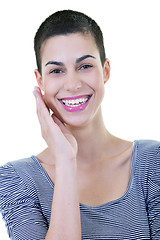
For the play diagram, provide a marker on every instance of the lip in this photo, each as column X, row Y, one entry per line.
column 78, row 108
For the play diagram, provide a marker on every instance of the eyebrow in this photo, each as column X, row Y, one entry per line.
column 78, row 60
column 54, row 63
column 83, row 58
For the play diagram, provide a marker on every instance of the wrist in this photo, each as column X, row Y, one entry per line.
column 66, row 174
column 66, row 165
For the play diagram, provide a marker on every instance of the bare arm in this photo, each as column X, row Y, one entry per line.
column 65, row 215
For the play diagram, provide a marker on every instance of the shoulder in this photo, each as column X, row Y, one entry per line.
column 28, row 170
column 24, row 179
column 22, row 168
column 147, row 145
column 147, row 157
column 147, row 150
column 17, row 168
column 12, row 169
column 14, row 185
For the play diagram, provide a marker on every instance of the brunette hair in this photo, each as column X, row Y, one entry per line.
column 65, row 22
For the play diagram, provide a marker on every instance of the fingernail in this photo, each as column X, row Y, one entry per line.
column 36, row 88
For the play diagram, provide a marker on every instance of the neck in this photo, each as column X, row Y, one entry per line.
column 92, row 140
column 95, row 144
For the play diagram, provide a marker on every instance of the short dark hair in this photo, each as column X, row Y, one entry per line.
column 65, row 22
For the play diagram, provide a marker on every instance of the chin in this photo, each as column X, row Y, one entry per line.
column 73, row 121
column 77, row 121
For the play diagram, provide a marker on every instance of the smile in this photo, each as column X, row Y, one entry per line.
column 75, row 103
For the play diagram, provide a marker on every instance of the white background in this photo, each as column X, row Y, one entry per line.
column 132, row 102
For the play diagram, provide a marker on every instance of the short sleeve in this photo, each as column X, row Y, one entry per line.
column 20, row 207
column 154, row 198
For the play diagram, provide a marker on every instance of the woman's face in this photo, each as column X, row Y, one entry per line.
column 72, row 77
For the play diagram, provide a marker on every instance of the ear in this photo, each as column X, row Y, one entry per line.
column 106, row 70
column 39, row 79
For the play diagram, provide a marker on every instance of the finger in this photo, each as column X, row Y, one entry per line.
column 38, row 95
column 45, row 102
column 60, row 124
column 50, row 126
column 41, row 104
column 53, row 130
column 46, row 121
column 42, row 111
column 56, row 120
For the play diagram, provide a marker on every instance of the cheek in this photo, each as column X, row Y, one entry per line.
column 49, row 99
column 101, row 94
column 97, row 84
column 49, row 90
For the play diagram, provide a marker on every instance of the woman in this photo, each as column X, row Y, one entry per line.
column 88, row 184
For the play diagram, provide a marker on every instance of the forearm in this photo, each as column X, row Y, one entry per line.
column 65, row 221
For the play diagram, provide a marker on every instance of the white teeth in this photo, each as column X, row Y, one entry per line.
column 75, row 102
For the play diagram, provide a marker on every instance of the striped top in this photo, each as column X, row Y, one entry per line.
column 26, row 197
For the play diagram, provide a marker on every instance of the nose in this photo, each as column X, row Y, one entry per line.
column 72, row 82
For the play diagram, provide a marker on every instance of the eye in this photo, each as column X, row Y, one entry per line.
column 85, row 66
column 56, row 71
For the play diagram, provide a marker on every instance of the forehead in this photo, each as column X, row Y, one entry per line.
column 70, row 45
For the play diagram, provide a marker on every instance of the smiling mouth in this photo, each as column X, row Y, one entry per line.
column 76, row 101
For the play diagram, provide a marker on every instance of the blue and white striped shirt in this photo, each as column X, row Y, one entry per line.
column 26, row 198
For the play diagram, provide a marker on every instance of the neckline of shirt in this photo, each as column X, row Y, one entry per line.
column 135, row 143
